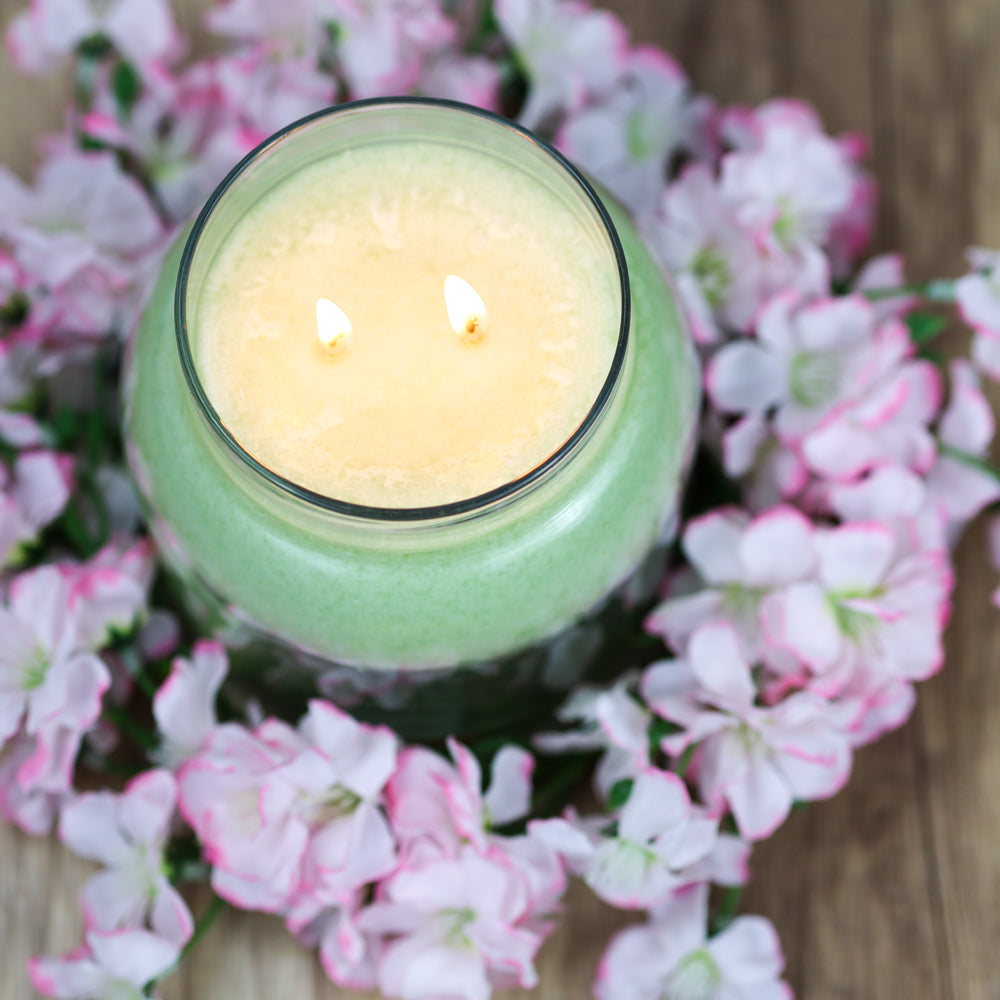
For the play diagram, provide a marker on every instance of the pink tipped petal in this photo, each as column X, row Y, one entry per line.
column 111, row 900
column 721, row 668
column 136, row 956
column 88, row 827
column 169, row 916
column 711, row 544
column 760, row 801
column 67, row 978
column 749, row 950
column 147, row 806
column 743, row 377
column 799, row 620
column 777, row 548
column 412, row 970
column 184, row 706
column 509, row 794
column 730, row 861
column 658, row 801
column 968, row 422
column 855, row 558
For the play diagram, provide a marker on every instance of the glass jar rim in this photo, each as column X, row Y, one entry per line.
column 472, row 505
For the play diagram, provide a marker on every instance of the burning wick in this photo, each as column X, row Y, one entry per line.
column 333, row 326
column 466, row 311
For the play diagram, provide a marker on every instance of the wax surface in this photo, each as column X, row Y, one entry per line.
column 409, row 414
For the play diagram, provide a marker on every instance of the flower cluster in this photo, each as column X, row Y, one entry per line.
column 794, row 628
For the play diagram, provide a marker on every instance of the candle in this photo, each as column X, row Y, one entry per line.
column 340, row 348
column 439, row 589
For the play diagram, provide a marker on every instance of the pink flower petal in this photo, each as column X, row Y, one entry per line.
column 721, row 668
column 509, row 795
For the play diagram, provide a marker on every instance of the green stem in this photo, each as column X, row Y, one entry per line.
column 552, row 795
column 142, row 736
column 939, row 290
column 967, row 458
column 684, row 761
column 205, row 921
column 726, row 912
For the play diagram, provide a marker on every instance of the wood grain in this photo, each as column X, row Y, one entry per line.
column 892, row 889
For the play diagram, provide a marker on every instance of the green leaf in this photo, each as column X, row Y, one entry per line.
column 684, row 761
column 620, row 791
column 935, row 357
column 726, row 912
column 659, row 729
column 14, row 311
column 126, row 84
column 95, row 46
column 925, row 327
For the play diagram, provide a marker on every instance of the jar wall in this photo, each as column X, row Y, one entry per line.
column 525, row 597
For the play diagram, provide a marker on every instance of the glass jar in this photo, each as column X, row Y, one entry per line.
column 465, row 618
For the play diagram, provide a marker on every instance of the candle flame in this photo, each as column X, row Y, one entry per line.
column 466, row 310
column 332, row 325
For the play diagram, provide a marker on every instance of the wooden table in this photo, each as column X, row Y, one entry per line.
column 891, row 890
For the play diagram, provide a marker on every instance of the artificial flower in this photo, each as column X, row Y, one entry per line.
column 568, row 51
column 754, row 760
column 127, row 833
column 143, row 31
column 672, row 956
column 115, row 965
column 184, row 705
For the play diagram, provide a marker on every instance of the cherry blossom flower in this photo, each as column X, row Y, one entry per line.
column 957, row 482
column 713, row 259
column 111, row 590
column 672, row 956
column 31, row 496
column 884, row 272
column 281, row 811
column 986, row 355
column 978, row 294
column 626, row 139
column 87, row 233
column 429, row 798
column 611, row 720
column 127, row 834
column 793, row 183
column 770, row 473
column 49, row 30
column 48, row 680
column 890, row 426
column 568, row 52
column 469, row 79
column 846, row 395
column 188, row 131
column 754, row 760
column 269, row 92
column 348, row 954
column 740, row 559
column 806, row 360
column 113, row 965
column 382, row 45
column 659, row 842
column 878, row 604
column 292, row 24
column 31, row 800
column 455, row 925
column 184, row 705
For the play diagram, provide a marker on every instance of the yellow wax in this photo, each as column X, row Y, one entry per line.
column 409, row 413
